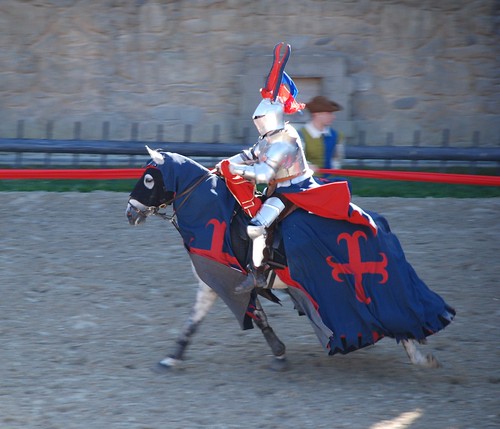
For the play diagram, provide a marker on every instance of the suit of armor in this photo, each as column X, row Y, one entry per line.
column 277, row 159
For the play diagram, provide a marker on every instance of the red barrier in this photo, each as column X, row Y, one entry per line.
column 417, row 176
column 80, row 174
column 135, row 173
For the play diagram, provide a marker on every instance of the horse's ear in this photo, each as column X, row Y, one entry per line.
column 155, row 156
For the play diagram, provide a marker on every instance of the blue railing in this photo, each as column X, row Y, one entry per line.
column 19, row 152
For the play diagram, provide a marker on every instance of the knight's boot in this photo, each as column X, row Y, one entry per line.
column 256, row 278
column 256, row 230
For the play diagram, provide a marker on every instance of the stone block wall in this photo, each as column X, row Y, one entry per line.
column 396, row 66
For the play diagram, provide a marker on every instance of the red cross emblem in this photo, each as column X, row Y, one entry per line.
column 216, row 251
column 356, row 266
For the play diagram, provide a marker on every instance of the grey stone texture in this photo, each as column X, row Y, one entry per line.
column 396, row 66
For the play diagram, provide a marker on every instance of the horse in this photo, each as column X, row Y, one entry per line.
column 213, row 228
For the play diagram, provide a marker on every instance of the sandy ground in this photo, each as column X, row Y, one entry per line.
column 89, row 304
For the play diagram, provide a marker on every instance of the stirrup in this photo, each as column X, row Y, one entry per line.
column 255, row 278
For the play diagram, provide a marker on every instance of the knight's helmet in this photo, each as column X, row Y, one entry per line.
column 269, row 116
column 278, row 95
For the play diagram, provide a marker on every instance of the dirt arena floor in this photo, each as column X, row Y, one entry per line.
column 89, row 304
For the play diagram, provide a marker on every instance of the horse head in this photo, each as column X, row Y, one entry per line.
column 150, row 193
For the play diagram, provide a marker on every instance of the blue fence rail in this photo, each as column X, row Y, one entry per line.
column 22, row 150
column 443, row 157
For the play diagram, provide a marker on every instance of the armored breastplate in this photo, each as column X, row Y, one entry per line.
column 283, row 151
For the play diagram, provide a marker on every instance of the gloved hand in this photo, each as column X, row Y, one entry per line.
column 237, row 169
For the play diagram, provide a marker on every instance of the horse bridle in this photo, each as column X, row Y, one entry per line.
column 151, row 210
column 155, row 210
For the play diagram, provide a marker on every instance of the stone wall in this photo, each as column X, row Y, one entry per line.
column 396, row 66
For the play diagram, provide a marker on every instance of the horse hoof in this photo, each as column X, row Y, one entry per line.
column 160, row 368
column 432, row 362
column 279, row 364
column 165, row 365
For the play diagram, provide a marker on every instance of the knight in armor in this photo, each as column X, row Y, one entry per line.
column 277, row 160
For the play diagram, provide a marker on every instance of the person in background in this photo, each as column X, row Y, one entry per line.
column 323, row 145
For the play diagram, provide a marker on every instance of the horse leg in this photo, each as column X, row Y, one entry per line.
column 205, row 299
column 278, row 348
column 418, row 358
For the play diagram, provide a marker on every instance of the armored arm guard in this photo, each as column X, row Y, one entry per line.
column 247, row 156
column 258, row 172
column 243, row 157
column 274, row 158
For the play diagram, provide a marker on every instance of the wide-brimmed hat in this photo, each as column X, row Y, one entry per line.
column 322, row 104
